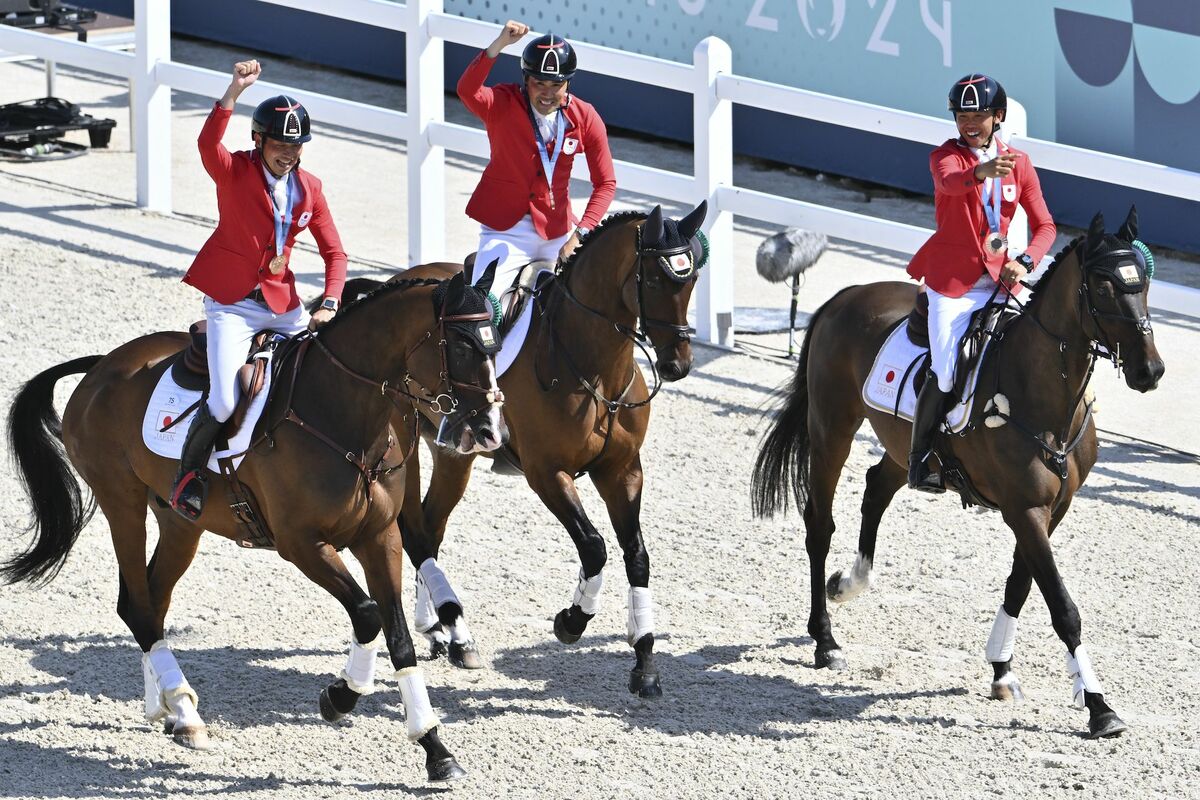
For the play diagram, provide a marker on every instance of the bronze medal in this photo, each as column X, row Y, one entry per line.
column 995, row 243
column 278, row 263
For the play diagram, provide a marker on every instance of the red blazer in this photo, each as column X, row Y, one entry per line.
column 512, row 184
column 234, row 259
column 953, row 259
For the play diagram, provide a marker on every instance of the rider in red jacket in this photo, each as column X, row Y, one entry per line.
column 265, row 200
column 525, row 216
column 978, row 182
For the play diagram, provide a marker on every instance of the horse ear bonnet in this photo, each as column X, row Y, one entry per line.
column 1124, row 266
column 463, row 299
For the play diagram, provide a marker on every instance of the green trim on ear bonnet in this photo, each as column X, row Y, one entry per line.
column 1147, row 256
column 496, row 315
column 704, row 250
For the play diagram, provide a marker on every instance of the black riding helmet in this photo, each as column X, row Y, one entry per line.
column 549, row 58
column 283, row 119
column 976, row 92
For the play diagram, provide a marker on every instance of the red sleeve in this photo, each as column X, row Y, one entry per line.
column 600, row 168
column 475, row 96
column 330, row 245
column 1040, row 220
column 949, row 176
column 218, row 163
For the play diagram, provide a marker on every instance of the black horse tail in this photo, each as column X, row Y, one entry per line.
column 59, row 513
column 781, row 468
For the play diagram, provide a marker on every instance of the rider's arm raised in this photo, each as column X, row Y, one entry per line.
column 217, row 161
column 475, row 96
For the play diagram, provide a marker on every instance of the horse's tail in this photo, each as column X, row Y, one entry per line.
column 59, row 513
column 781, row 468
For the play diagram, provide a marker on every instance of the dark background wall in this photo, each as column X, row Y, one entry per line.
column 1165, row 220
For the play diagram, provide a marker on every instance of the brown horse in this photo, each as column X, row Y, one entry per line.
column 324, row 467
column 576, row 404
column 1091, row 301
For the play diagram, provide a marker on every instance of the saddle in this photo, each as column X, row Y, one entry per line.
column 990, row 321
column 189, row 368
column 514, row 298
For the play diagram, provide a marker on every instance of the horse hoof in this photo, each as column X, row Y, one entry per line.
column 193, row 738
column 644, row 684
column 445, row 770
column 464, row 655
column 437, row 649
column 830, row 659
column 337, row 700
column 1106, row 724
column 833, row 588
column 560, row 629
column 1008, row 688
column 169, row 723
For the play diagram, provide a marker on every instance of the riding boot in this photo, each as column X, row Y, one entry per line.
column 931, row 409
column 191, row 487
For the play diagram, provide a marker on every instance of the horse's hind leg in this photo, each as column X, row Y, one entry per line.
column 883, row 481
column 830, row 449
column 438, row 614
column 1033, row 542
column 383, row 564
column 167, row 692
column 622, row 493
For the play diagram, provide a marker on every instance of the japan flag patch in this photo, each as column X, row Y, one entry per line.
column 570, row 145
column 304, row 218
column 1010, row 192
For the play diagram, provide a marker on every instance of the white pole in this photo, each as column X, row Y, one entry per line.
column 712, row 132
column 424, row 81
column 1016, row 126
column 152, row 105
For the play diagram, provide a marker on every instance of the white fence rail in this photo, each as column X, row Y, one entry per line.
column 708, row 79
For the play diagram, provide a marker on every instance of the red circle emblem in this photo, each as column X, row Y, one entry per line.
column 891, row 376
column 167, row 420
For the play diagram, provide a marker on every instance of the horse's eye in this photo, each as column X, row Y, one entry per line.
column 1104, row 289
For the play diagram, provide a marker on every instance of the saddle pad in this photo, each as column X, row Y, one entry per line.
column 892, row 364
column 510, row 348
column 168, row 400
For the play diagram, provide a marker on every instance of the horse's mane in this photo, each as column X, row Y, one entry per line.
column 1059, row 257
column 611, row 222
column 386, row 288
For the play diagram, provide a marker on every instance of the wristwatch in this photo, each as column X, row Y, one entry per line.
column 1026, row 261
column 329, row 304
column 581, row 231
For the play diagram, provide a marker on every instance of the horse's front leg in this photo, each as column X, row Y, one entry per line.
column 622, row 494
column 383, row 562
column 1031, row 527
column 557, row 491
column 438, row 613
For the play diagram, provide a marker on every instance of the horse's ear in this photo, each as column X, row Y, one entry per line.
column 692, row 222
column 485, row 281
column 1129, row 228
column 1095, row 234
column 652, row 231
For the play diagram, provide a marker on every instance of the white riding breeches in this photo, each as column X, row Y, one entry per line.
column 230, row 329
column 948, row 321
column 514, row 248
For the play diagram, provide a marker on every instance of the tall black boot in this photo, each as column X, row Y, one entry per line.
column 191, row 487
column 931, row 409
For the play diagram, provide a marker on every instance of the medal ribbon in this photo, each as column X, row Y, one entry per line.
column 283, row 216
column 548, row 164
column 991, row 203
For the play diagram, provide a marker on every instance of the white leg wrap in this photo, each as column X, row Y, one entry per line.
column 417, row 710
column 359, row 672
column 440, row 590
column 1003, row 637
column 641, row 613
column 587, row 592
column 1080, row 668
column 424, row 614
column 856, row 581
column 459, row 632
column 167, row 691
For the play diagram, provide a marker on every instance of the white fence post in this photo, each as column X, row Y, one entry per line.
column 712, row 132
column 1016, row 126
column 151, row 103
column 424, row 81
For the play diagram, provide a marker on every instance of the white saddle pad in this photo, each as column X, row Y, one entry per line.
column 510, row 348
column 169, row 400
column 892, row 364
